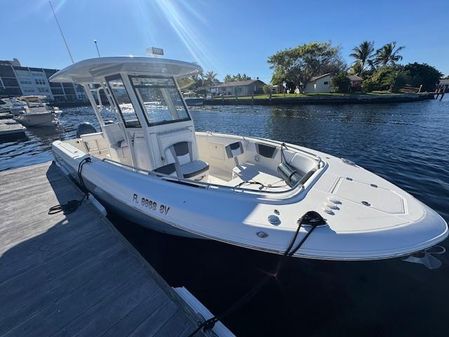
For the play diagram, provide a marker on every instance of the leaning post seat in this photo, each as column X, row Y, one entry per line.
column 181, row 155
column 233, row 150
column 169, row 169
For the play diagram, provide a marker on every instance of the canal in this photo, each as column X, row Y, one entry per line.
column 404, row 143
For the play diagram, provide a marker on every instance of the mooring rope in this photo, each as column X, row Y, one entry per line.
column 312, row 219
column 72, row 205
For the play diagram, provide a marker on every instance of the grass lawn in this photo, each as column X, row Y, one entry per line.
column 288, row 96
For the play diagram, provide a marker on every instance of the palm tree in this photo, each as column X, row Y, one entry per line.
column 209, row 78
column 388, row 55
column 356, row 69
column 362, row 54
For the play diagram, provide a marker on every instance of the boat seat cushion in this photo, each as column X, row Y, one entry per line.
column 234, row 149
column 169, row 169
column 194, row 169
column 181, row 152
column 181, row 155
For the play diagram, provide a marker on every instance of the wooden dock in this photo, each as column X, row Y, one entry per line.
column 67, row 275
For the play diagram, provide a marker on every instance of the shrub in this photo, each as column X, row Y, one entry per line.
column 341, row 83
column 382, row 79
column 423, row 74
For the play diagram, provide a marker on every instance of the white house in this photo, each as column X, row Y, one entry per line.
column 444, row 83
column 356, row 82
column 319, row 84
column 238, row 88
column 323, row 83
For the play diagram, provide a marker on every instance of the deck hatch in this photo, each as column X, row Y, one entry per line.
column 378, row 198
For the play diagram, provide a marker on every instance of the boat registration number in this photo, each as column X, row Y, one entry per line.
column 150, row 204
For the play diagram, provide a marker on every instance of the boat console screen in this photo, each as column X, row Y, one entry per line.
column 160, row 99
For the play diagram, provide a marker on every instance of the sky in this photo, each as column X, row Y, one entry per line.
column 226, row 36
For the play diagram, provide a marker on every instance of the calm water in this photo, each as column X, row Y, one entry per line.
column 405, row 143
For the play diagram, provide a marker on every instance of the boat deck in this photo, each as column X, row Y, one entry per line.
column 10, row 128
column 250, row 176
column 5, row 115
column 75, row 274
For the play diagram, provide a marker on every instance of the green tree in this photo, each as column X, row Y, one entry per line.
column 341, row 82
column 193, row 82
column 267, row 89
column 228, row 78
column 209, row 78
column 296, row 66
column 362, row 54
column 233, row 78
column 388, row 55
column 423, row 74
column 356, row 69
column 382, row 79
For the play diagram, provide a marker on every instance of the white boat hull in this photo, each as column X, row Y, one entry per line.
column 36, row 119
column 371, row 218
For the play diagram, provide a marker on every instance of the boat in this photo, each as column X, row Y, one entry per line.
column 153, row 168
column 35, row 112
column 192, row 99
column 13, row 105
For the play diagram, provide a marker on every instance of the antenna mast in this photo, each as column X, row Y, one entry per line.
column 60, row 30
column 96, row 46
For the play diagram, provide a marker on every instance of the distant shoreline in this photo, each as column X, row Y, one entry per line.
column 322, row 99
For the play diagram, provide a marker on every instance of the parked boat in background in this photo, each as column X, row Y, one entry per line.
column 193, row 99
column 12, row 105
column 33, row 111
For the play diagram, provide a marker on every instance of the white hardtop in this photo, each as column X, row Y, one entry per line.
column 94, row 70
column 150, row 113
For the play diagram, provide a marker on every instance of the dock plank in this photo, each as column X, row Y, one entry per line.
column 74, row 275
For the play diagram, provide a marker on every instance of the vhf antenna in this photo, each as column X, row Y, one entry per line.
column 96, row 46
column 60, row 30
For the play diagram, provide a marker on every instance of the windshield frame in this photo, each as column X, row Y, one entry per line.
column 117, row 105
column 142, row 106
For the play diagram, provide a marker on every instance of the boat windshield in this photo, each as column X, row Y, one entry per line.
column 160, row 99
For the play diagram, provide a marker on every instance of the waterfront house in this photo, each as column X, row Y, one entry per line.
column 277, row 89
column 444, row 83
column 356, row 82
column 319, row 84
column 238, row 88
column 323, row 83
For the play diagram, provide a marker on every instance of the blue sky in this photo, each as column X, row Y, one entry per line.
column 227, row 36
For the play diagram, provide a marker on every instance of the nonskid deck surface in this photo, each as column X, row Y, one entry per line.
column 251, row 176
column 75, row 274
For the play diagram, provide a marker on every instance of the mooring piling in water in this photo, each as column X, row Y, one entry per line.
column 75, row 274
